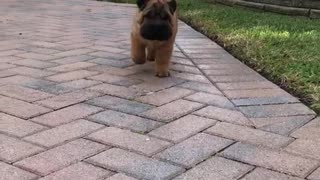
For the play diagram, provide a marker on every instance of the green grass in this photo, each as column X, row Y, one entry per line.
column 284, row 49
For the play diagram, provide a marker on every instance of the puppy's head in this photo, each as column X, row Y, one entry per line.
column 156, row 21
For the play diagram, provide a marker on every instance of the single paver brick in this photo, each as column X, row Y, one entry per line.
column 60, row 134
column 271, row 159
column 164, row 96
column 114, row 90
column 14, row 149
column 265, row 100
column 264, row 174
column 9, row 172
column 211, row 99
column 68, row 99
column 153, row 84
column 33, row 72
column 122, row 120
column 182, row 128
column 34, row 63
column 315, row 175
column 79, row 171
column 66, row 115
column 136, row 165
column 276, row 110
column 20, row 108
column 72, row 75
column 247, row 85
column 78, row 84
column 71, row 67
column 23, row 93
column 249, row 135
column 305, row 147
column 128, row 140
column 120, row 177
column 254, row 93
column 61, row 156
column 194, row 150
column 203, row 87
column 17, row 127
column 309, row 131
column 280, row 125
column 216, row 168
column 231, row 116
column 173, row 110
column 73, row 59
column 119, row 104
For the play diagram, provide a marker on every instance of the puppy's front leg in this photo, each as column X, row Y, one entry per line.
column 163, row 55
column 138, row 50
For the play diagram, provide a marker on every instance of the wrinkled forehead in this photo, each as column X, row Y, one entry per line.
column 157, row 6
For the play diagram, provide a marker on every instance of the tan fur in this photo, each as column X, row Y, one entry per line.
column 158, row 51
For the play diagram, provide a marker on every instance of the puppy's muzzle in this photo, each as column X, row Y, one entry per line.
column 159, row 32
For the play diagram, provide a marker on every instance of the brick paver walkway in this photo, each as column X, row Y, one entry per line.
column 74, row 106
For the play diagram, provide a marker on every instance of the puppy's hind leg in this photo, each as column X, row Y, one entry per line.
column 151, row 56
column 138, row 50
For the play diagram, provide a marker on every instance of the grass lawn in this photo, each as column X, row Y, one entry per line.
column 284, row 49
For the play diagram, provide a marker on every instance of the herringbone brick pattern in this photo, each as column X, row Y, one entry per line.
column 74, row 106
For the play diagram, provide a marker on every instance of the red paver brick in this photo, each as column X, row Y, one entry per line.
column 115, row 90
column 9, row 172
column 60, row 157
column 68, row 99
column 33, row 72
column 63, row 133
column 231, row 116
column 165, row 96
column 34, row 63
column 128, row 140
column 17, row 127
column 66, row 115
column 23, row 93
column 309, row 131
column 74, row 52
column 182, row 128
column 36, row 56
column 79, row 171
column 73, row 75
column 173, row 110
column 14, row 149
column 71, row 67
column 20, row 108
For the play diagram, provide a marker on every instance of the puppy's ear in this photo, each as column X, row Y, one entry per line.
column 172, row 5
column 142, row 4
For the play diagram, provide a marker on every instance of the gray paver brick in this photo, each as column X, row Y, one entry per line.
column 216, row 168
column 129, row 140
column 249, row 135
column 79, row 171
column 182, row 128
column 194, row 150
column 63, row 133
column 315, row 175
column 122, row 120
column 276, row 110
column 309, row 131
column 60, row 157
column 271, row 159
column 13, row 149
column 203, row 87
column 119, row 104
column 9, row 172
column 136, row 165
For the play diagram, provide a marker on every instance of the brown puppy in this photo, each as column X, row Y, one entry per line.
column 154, row 30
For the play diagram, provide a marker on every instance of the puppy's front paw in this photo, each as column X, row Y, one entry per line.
column 163, row 74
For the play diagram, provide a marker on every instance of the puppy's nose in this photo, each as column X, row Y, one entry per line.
column 160, row 32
